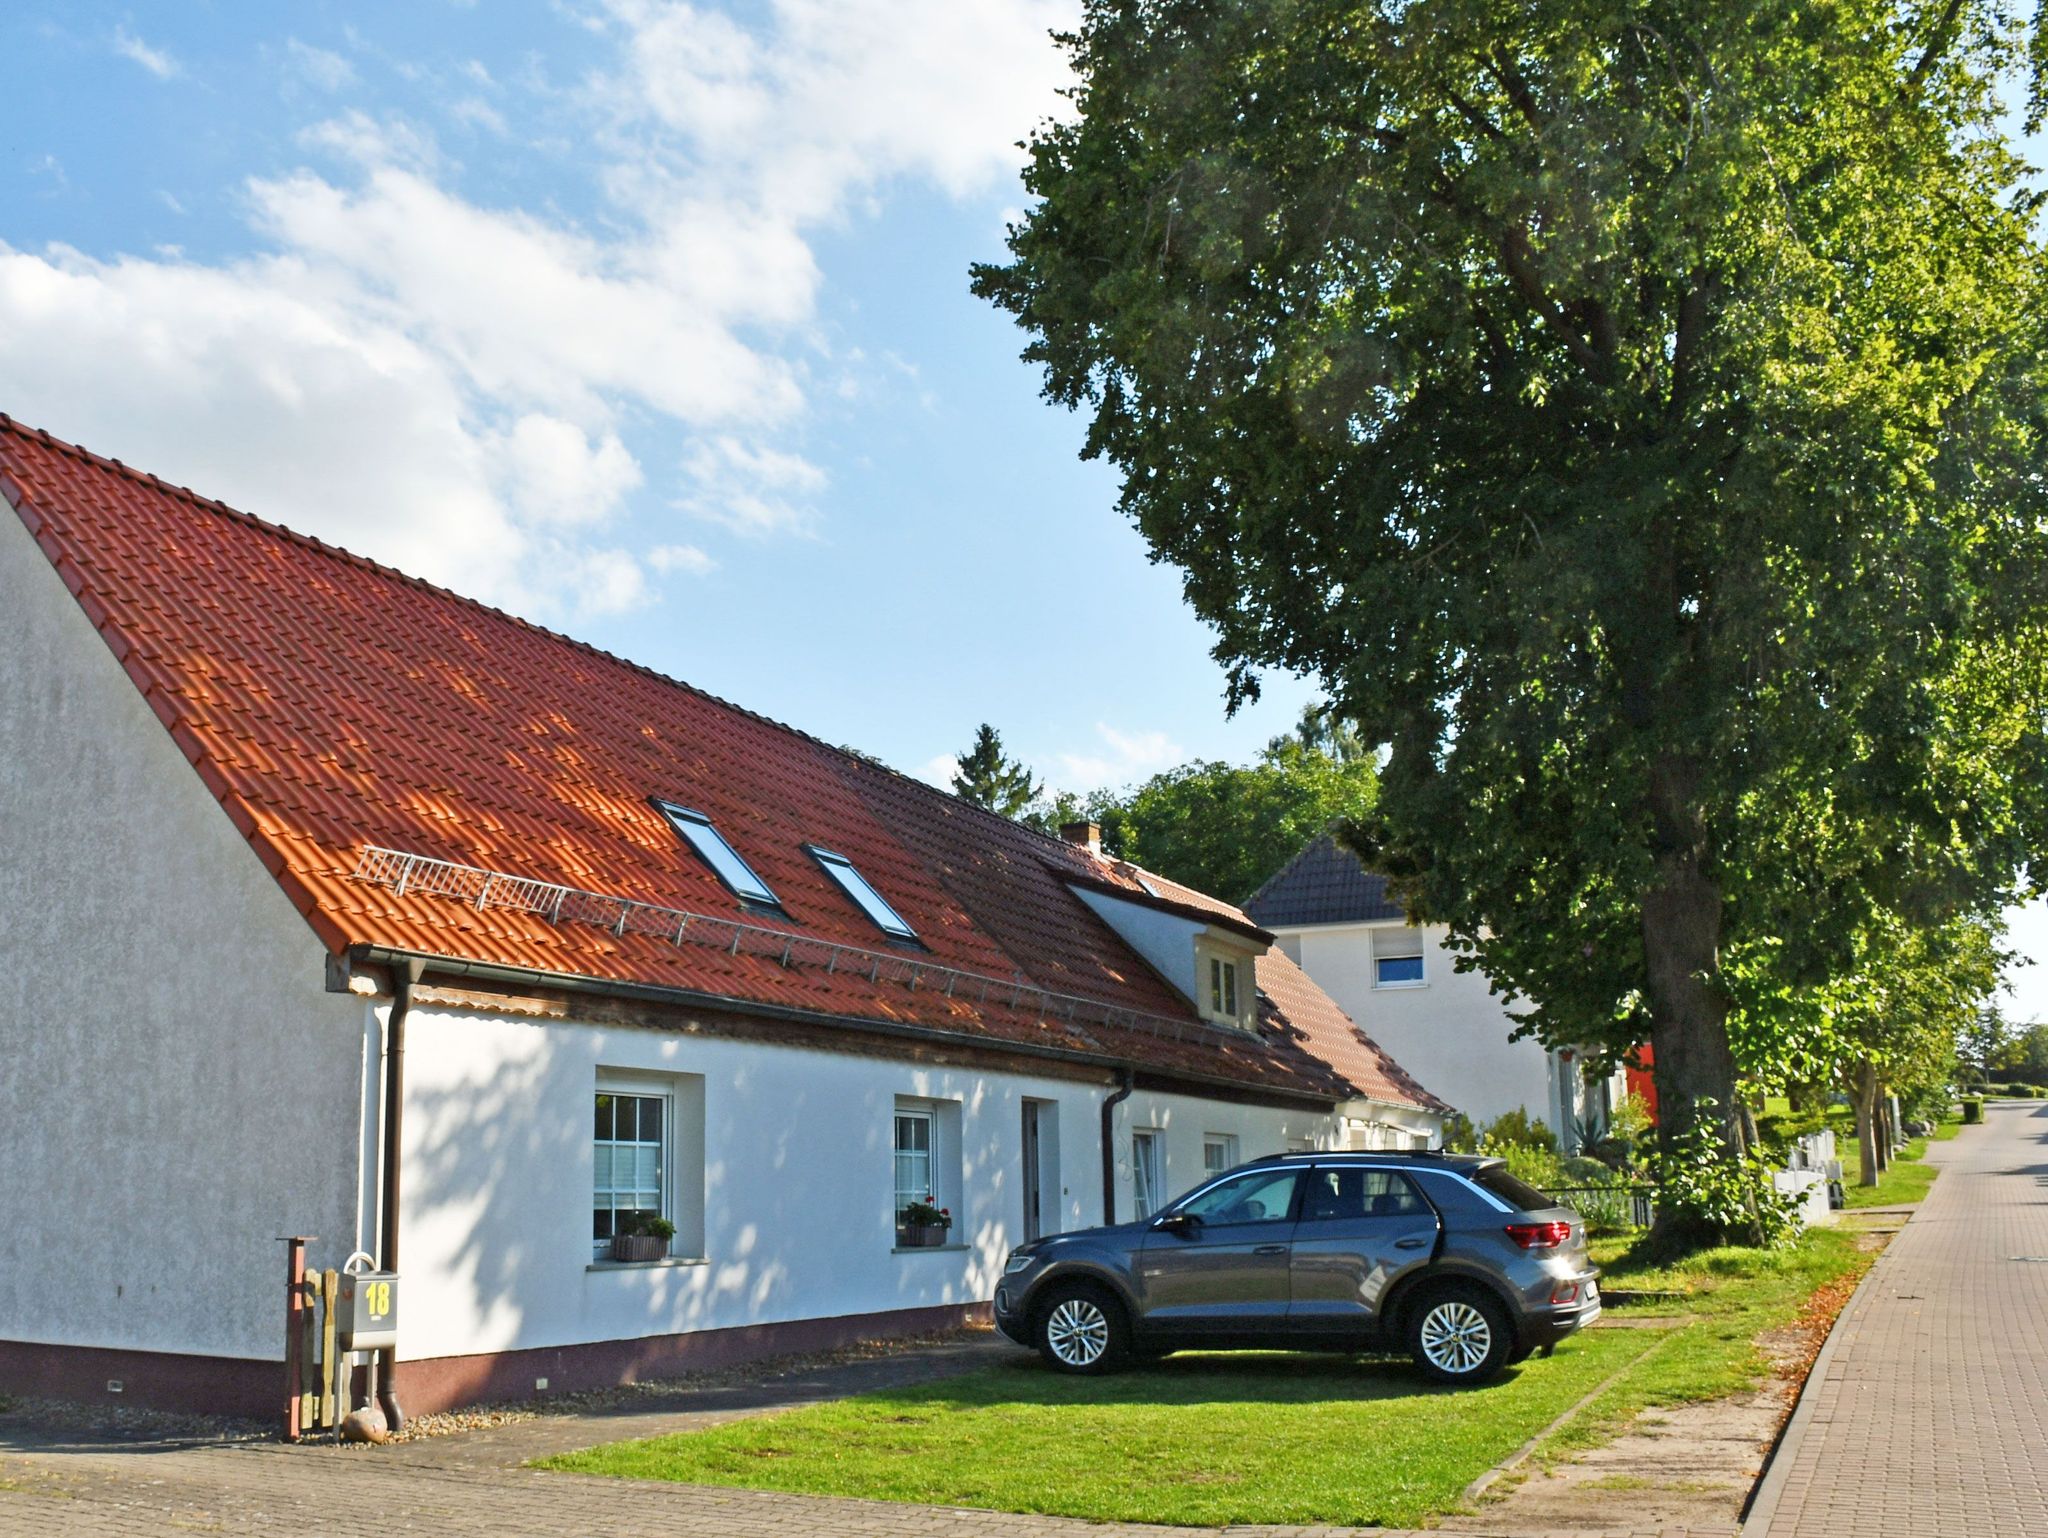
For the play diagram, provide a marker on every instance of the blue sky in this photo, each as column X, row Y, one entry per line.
column 647, row 321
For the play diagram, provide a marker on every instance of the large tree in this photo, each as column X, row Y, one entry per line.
column 1224, row 828
column 1631, row 412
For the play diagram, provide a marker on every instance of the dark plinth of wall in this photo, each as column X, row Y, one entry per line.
column 213, row 1385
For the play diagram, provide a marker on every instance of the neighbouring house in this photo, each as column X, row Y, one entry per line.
column 339, row 905
column 1399, row 981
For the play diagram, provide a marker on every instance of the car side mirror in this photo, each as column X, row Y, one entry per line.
column 1182, row 1223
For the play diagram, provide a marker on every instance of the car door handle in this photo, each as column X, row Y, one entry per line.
column 1410, row 1244
column 1270, row 1249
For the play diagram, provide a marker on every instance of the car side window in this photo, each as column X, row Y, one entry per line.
column 1337, row 1194
column 1257, row 1196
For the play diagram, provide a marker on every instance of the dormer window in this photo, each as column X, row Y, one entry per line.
column 715, row 852
column 865, row 897
column 1225, row 991
column 1222, row 987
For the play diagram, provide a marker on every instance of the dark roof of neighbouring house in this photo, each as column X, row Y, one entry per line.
column 332, row 704
column 1324, row 884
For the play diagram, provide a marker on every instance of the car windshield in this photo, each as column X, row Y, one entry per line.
column 1256, row 1196
column 1516, row 1193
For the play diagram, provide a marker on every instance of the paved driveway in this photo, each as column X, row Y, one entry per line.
column 1928, row 1410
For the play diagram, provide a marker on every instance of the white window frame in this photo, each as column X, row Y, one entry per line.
column 1232, row 971
column 928, row 1118
column 1420, row 956
column 623, row 1086
column 1223, row 1145
column 1148, row 1171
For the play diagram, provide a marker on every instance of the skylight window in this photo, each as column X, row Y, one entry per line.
column 855, row 885
column 711, row 846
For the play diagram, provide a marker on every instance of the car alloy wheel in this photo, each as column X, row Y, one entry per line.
column 1456, row 1337
column 1077, row 1332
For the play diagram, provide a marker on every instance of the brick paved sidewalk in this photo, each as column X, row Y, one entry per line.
column 52, row 1483
column 1928, row 1410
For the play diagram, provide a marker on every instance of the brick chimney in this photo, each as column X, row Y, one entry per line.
column 1088, row 835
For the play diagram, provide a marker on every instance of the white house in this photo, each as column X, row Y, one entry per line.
column 340, row 905
column 1335, row 919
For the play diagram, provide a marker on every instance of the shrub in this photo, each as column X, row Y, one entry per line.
column 1519, row 1129
column 1709, row 1194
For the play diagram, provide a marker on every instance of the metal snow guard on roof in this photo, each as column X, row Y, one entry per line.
column 481, row 889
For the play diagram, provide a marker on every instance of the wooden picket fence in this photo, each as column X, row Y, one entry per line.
column 317, row 1375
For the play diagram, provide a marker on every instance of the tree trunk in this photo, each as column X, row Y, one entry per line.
column 1887, row 1133
column 1681, row 956
column 1864, row 1093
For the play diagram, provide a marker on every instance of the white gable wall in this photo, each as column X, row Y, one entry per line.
column 1451, row 1032
column 178, row 1088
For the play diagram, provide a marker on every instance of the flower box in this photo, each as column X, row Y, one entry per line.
column 920, row 1236
column 639, row 1247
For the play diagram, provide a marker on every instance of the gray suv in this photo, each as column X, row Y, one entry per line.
column 1447, row 1256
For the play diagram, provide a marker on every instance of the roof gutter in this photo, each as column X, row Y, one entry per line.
column 570, row 982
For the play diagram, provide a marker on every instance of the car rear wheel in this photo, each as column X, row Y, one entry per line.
column 1460, row 1335
column 1082, row 1329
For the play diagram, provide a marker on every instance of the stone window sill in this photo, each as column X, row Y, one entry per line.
column 930, row 1249
column 647, row 1265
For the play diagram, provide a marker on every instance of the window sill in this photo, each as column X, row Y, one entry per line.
column 929, row 1249
column 647, row 1265
column 1396, row 987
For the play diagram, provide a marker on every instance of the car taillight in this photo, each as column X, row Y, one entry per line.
column 1539, row 1236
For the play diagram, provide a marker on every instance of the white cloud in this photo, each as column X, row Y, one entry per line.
column 1131, row 756
column 751, row 490
column 553, row 472
column 452, row 386
column 938, row 771
column 364, row 141
column 156, row 60
column 475, row 112
column 243, row 383
column 324, row 69
column 688, row 559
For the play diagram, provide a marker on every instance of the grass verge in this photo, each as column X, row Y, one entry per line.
column 1200, row 1439
column 1906, row 1181
column 1734, row 1296
column 1205, row 1439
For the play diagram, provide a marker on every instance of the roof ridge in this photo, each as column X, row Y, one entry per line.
column 309, row 541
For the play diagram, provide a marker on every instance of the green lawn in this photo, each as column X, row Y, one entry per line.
column 1906, row 1181
column 1200, row 1439
column 1733, row 1295
column 1212, row 1438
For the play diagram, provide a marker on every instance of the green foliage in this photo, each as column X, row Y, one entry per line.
column 1224, row 828
column 1707, row 1192
column 650, row 1225
column 2025, row 1056
column 1632, row 417
column 1518, row 1129
column 991, row 779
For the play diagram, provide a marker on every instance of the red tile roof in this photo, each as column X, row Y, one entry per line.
column 331, row 704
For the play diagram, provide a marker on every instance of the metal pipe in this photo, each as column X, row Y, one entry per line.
column 403, row 976
column 1126, row 1080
